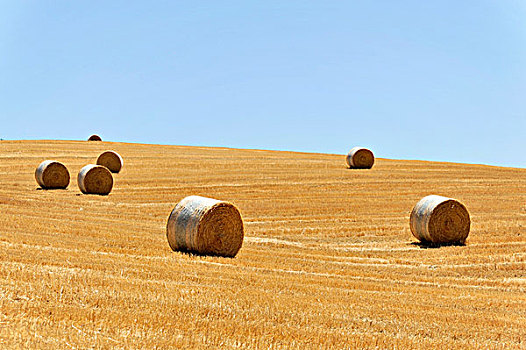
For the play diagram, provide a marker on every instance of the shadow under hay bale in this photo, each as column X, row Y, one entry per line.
column 95, row 179
column 205, row 226
column 111, row 160
column 51, row 174
column 94, row 138
column 437, row 220
column 431, row 245
column 360, row 158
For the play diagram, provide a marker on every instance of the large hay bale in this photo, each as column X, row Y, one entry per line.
column 360, row 158
column 95, row 179
column 51, row 174
column 111, row 160
column 205, row 226
column 440, row 220
column 94, row 138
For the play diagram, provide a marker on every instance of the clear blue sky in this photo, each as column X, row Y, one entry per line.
column 433, row 80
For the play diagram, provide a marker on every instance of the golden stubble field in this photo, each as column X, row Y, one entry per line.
column 328, row 259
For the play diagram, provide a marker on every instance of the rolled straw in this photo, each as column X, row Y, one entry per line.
column 51, row 174
column 360, row 158
column 437, row 219
column 94, row 138
column 111, row 160
column 95, row 179
column 205, row 226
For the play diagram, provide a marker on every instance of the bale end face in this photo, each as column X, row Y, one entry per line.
column 94, row 138
column 95, row 179
column 360, row 158
column 111, row 160
column 205, row 226
column 51, row 174
column 440, row 220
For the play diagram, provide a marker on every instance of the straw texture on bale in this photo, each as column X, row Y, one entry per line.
column 111, row 160
column 95, row 179
column 205, row 226
column 440, row 220
column 94, row 138
column 360, row 158
column 51, row 174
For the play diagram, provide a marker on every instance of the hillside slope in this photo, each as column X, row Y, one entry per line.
column 328, row 259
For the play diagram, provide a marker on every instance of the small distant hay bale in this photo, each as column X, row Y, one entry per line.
column 360, row 158
column 94, row 138
column 440, row 220
column 95, row 179
column 111, row 160
column 51, row 174
column 205, row 226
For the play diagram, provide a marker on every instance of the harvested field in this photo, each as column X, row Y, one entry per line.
column 328, row 259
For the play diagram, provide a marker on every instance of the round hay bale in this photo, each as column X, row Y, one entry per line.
column 51, row 174
column 205, row 226
column 111, row 160
column 95, row 179
column 94, row 138
column 440, row 220
column 360, row 158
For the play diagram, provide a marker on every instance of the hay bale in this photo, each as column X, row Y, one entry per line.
column 205, row 226
column 51, row 174
column 94, row 138
column 360, row 158
column 111, row 160
column 95, row 179
column 440, row 220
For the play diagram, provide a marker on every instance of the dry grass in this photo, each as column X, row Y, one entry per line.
column 328, row 258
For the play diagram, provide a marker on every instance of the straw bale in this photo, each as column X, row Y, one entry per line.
column 205, row 226
column 94, row 138
column 51, row 174
column 111, row 160
column 360, row 158
column 95, row 179
column 440, row 220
